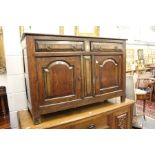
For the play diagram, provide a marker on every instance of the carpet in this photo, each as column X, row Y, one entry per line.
column 149, row 109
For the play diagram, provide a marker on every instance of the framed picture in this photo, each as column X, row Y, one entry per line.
column 140, row 54
column 130, row 55
column 96, row 32
column 61, row 30
column 2, row 55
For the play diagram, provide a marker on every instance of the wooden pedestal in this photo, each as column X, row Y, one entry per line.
column 102, row 115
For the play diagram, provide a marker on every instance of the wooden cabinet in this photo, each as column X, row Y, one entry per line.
column 64, row 72
column 107, row 115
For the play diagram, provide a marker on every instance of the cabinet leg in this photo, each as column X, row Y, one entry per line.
column 37, row 120
column 123, row 98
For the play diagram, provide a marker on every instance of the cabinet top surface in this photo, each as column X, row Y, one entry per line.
column 65, row 36
column 67, row 116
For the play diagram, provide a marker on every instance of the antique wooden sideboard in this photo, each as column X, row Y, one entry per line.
column 107, row 115
column 64, row 72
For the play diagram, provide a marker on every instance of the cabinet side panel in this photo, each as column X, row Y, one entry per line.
column 32, row 79
column 124, row 71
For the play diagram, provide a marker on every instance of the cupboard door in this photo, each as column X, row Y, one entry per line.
column 59, row 79
column 108, row 73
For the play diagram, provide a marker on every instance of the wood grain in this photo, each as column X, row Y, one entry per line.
column 64, row 72
column 101, row 115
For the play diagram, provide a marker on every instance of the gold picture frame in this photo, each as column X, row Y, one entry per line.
column 140, row 53
column 2, row 55
column 130, row 55
column 21, row 30
column 61, row 30
column 96, row 32
column 130, row 59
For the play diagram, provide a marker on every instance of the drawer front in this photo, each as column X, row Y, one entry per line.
column 96, row 122
column 95, row 46
column 58, row 46
column 121, row 119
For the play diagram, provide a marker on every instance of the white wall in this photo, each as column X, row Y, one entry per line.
column 14, row 79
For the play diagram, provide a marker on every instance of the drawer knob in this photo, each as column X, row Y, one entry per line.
column 74, row 47
column 92, row 126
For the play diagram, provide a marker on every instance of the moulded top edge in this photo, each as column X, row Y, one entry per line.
column 54, row 35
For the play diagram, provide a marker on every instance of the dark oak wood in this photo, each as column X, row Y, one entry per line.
column 5, row 122
column 4, row 109
column 64, row 72
column 105, row 115
column 108, row 73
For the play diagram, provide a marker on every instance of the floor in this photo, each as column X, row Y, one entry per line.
column 149, row 123
column 140, row 123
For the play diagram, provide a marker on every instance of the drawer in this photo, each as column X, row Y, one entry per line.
column 58, row 46
column 106, row 46
column 95, row 122
column 121, row 119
